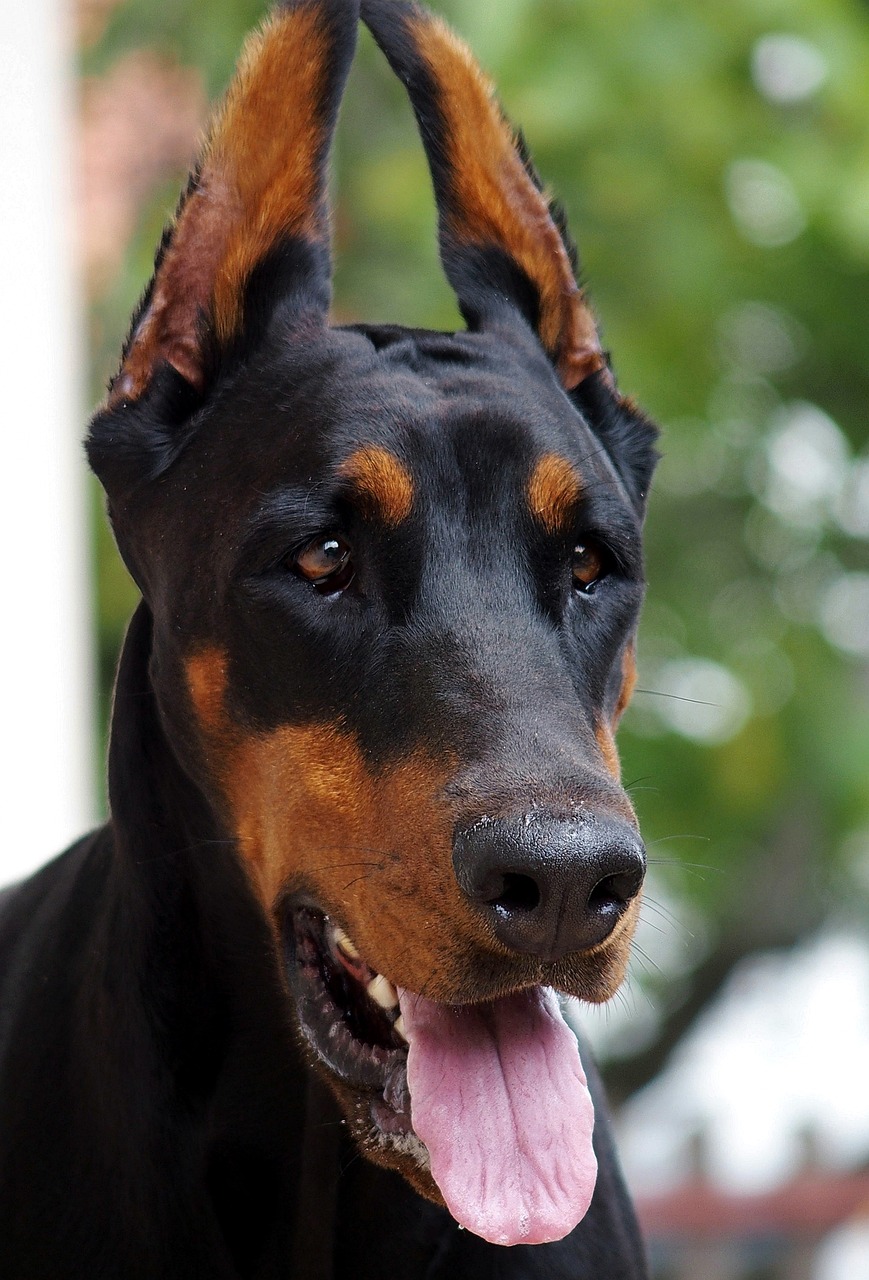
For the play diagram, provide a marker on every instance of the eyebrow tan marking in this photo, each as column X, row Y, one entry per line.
column 383, row 480
column 206, row 681
column 553, row 491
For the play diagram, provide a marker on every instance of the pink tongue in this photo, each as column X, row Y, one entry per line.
column 498, row 1095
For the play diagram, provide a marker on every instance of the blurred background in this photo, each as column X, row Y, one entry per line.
column 714, row 163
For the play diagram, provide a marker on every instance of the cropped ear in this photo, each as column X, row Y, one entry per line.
column 626, row 433
column 256, row 202
column 499, row 236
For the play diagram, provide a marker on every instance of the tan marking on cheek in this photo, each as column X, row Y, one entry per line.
column 553, row 491
column 383, row 480
column 607, row 746
column 301, row 798
column 375, row 850
column 629, row 680
column 495, row 201
column 307, row 811
column 414, row 916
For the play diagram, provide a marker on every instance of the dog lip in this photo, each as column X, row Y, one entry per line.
column 348, row 1032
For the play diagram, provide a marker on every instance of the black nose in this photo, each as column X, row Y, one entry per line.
column 549, row 885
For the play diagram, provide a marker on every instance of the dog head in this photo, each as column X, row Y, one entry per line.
column 394, row 578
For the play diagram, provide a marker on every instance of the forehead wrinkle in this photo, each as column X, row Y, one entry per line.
column 381, row 480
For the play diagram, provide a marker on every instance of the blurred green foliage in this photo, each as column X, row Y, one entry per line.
column 714, row 162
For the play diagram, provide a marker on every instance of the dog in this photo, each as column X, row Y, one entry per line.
column 296, row 1009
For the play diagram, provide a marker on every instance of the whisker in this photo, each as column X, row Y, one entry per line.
column 627, row 998
column 690, row 868
column 651, row 925
column 182, row 850
column 635, row 784
column 340, row 866
column 647, row 960
column 346, row 848
column 356, row 1155
column 676, row 925
column 632, row 987
column 660, row 693
column 429, row 980
column 664, row 839
column 356, row 880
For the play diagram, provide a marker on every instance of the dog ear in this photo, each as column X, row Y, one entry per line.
column 255, row 213
column 503, row 244
column 500, row 239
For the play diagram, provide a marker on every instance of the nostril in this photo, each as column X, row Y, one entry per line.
column 518, row 893
column 613, row 891
column 552, row 885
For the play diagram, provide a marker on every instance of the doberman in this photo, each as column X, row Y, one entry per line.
column 367, row 835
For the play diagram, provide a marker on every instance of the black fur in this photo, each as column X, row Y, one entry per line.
column 158, row 1118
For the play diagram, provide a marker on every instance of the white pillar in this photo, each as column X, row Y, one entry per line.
column 46, row 793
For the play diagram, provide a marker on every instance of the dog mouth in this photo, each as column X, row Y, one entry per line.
column 351, row 1020
column 489, row 1101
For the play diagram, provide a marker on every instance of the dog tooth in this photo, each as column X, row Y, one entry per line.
column 349, row 948
column 382, row 992
column 398, row 1026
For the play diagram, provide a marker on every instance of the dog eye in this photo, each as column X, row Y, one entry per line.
column 589, row 566
column 327, row 563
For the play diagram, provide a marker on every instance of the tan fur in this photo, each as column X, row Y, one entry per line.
column 497, row 203
column 376, row 851
column 553, row 492
column 206, row 682
column 374, row 848
column 629, row 680
column 607, row 746
column 258, row 182
column 383, row 480
column 604, row 733
column 266, row 137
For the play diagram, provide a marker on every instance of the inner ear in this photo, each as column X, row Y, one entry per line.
column 501, row 240
column 254, row 219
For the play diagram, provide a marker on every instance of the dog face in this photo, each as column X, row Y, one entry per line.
column 394, row 574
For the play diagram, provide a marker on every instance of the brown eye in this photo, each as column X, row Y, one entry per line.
column 588, row 566
column 327, row 563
